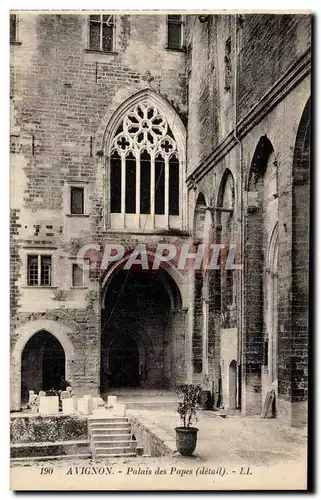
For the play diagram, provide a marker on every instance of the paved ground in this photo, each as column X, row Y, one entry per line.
column 232, row 453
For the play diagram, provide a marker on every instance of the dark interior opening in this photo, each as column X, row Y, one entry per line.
column 124, row 362
column 42, row 364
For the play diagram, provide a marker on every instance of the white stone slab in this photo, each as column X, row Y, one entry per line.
column 69, row 406
column 119, row 410
column 85, row 406
column 112, row 400
column 101, row 412
column 42, row 393
column 48, row 405
column 98, row 403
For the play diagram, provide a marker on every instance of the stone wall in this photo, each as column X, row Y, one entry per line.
column 62, row 98
column 252, row 100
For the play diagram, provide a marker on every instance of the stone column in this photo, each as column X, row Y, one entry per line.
column 253, row 340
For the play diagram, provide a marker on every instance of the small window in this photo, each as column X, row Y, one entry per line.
column 39, row 270
column 228, row 64
column 33, row 270
column 101, row 33
column 13, row 28
column 14, row 144
column 77, row 275
column 229, row 287
column 174, row 32
column 77, row 200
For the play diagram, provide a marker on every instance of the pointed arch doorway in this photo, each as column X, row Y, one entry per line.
column 42, row 364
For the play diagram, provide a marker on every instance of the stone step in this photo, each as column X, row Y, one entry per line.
column 93, row 419
column 114, row 444
column 106, row 426
column 111, row 437
column 113, row 451
column 148, row 405
column 57, row 448
column 110, row 431
column 104, row 455
column 51, row 457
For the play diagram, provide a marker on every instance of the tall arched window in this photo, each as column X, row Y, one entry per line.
column 144, row 172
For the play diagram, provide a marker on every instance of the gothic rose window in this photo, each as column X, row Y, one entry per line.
column 144, row 165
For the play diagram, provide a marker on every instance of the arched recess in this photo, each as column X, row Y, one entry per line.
column 225, row 288
column 43, row 364
column 24, row 334
column 301, row 238
column 196, row 276
column 260, row 218
column 271, row 323
column 144, row 144
column 199, row 219
column 225, row 235
column 143, row 317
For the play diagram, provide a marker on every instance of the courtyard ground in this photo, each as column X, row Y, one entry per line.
column 232, row 453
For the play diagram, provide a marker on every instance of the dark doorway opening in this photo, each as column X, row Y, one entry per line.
column 232, row 385
column 124, row 362
column 42, row 364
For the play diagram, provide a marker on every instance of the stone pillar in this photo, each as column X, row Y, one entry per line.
column 177, row 333
column 253, row 337
column 93, row 334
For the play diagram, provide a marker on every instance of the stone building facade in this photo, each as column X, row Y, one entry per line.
column 149, row 129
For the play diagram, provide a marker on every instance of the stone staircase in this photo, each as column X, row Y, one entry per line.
column 110, row 437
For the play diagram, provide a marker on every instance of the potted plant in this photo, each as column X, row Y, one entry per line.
column 186, row 435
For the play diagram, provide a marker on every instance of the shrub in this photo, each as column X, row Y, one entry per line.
column 187, row 409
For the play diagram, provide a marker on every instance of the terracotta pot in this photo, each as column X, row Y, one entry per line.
column 186, row 438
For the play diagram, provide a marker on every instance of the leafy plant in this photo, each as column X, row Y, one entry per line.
column 187, row 409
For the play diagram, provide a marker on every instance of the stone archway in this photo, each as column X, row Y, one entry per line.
column 142, row 331
column 260, row 218
column 24, row 333
column 43, row 364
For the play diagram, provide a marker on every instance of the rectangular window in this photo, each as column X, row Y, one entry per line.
column 45, row 274
column 13, row 28
column 14, row 144
column 33, row 270
column 101, row 33
column 174, row 32
column 159, row 186
column 228, row 64
column 77, row 200
column 173, row 195
column 39, row 270
column 77, row 275
column 145, row 183
column 115, row 182
column 229, row 287
column 130, row 200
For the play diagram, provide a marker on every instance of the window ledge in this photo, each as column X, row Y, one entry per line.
column 39, row 286
column 78, row 287
column 77, row 215
column 171, row 49
column 93, row 51
column 15, row 43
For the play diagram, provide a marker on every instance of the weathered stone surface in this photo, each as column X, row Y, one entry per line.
column 35, row 429
column 48, row 405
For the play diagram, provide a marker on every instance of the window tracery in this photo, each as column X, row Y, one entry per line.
column 144, row 165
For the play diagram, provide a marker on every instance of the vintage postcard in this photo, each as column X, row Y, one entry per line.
column 160, row 169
